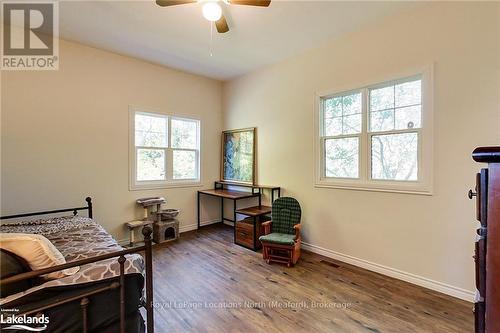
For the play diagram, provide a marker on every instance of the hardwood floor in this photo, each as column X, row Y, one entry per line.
column 205, row 283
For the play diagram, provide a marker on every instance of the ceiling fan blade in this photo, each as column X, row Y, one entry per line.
column 166, row 3
column 221, row 25
column 261, row 3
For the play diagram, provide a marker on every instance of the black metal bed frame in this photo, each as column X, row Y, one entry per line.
column 84, row 297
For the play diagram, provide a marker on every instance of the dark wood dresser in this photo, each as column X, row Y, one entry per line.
column 487, row 256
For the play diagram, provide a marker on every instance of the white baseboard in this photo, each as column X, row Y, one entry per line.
column 194, row 226
column 444, row 288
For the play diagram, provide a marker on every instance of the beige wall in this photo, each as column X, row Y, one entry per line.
column 65, row 133
column 65, row 136
column 428, row 237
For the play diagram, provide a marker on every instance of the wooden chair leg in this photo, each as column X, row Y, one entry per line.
column 285, row 255
column 296, row 252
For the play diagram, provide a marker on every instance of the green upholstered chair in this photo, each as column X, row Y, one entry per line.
column 281, row 239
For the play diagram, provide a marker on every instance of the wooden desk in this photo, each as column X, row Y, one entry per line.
column 221, row 191
column 226, row 194
column 259, row 188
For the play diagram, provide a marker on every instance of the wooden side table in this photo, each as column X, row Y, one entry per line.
column 132, row 225
column 248, row 230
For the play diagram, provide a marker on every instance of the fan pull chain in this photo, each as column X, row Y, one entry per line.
column 211, row 38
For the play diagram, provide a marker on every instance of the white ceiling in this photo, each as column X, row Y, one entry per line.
column 179, row 36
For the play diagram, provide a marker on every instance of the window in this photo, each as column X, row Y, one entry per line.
column 342, row 129
column 165, row 150
column 377, row 137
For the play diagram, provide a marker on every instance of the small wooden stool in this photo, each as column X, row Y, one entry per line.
column 132, row 225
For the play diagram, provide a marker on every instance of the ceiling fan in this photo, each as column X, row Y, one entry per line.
column 212, row 11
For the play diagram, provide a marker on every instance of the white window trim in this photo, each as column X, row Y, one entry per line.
column 425, row 158
column 135, row 185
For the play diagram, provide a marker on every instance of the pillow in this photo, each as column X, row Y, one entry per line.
column 38, row 251
column 10, row 265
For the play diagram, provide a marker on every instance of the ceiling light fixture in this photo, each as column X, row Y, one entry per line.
column 212, row 11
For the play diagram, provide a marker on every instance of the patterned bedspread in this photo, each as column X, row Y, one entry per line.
column 76, row 238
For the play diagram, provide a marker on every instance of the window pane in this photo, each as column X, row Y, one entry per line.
column 352, row 124
column 333, row 126
column 352, row 104
column 184, row 164
column 150, row 164
column 394, row 156
column 408, row 93
column 342, row 115
column 382, row 98
column 150, row 131
column 409, row 117
column 342, row 158
column 184, row 134
column 382, row 121
column 333, row 107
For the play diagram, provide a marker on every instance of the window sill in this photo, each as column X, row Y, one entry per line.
column 143, row 187
column 374, row 188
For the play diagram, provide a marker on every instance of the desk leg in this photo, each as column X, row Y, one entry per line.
column 255, row 233
column 198, row 201
column 234, row 212
column 234, row 215
column 222, row 209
